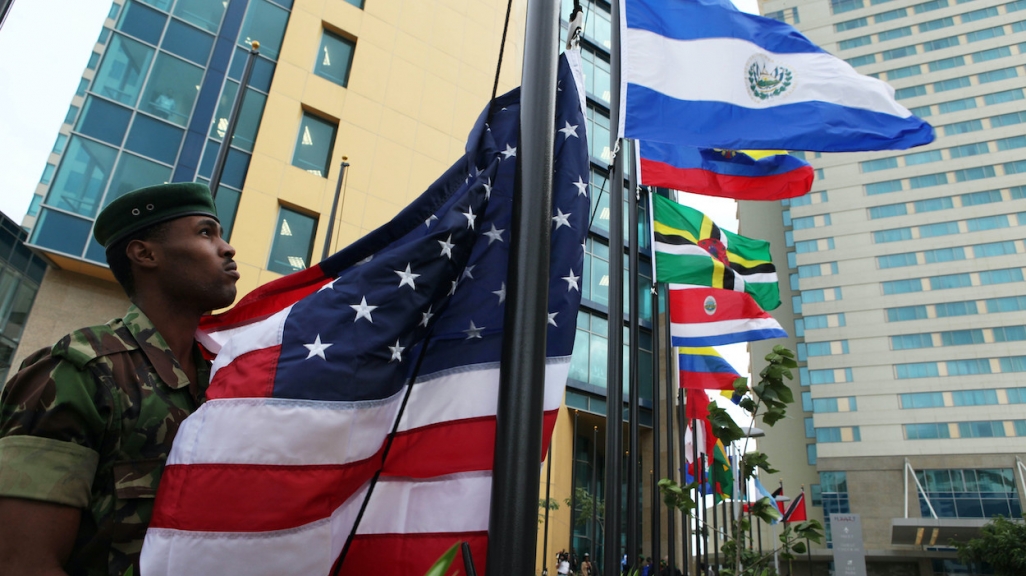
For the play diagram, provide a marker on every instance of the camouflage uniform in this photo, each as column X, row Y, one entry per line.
column 89, row 423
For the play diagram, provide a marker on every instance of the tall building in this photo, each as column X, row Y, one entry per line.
column 904, row 277
column 21, row 271
column 393, row 86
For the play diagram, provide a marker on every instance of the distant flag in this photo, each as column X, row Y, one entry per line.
column 762, row 492
column 696, row 410
column 720, row 473
column 702, row 73
column 740, row 174
column 711, row 317
column 371, row 379
column 796, row 511
column 704, row 369
column 691, row 249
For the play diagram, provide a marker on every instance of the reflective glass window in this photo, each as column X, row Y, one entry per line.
column 188, row 42
column 142, row 22
column 262, row 74
column 235, row 165
column 357, row 3
column 314, row 143
column 58, row 146
column 124, row 66
column 104, row 121
column 171, row 89
column 61, row 232
column 83, row 85
column 265, row 23
column 293, row 242
column 249, row 116
column 203, row 13
column 156, row 139
column 227, row 204
column 133, row 173
column 81, row 177
column 334, row 58
column 164, row 5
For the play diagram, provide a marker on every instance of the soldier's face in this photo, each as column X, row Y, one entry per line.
column 198, row 266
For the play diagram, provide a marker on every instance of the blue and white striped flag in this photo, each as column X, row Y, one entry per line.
column 701, row 73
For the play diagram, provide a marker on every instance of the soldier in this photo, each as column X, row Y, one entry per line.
column 86, row 426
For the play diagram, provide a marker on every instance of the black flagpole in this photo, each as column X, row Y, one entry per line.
column 594, row 496
column 513, row 519
column 573, row 486
column 614, row 371
column 685, row 518
column 656, row 456
column 5, row 8
column 697, row 475
column 705, row 511
column 334, row 209
column 548, row 485
column 716, row 521
column 233, row 120
column 634, row 329
column 671, row 472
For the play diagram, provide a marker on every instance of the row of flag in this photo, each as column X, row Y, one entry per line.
column 352, row 405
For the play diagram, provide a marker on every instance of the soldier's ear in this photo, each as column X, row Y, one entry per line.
column 140, row 253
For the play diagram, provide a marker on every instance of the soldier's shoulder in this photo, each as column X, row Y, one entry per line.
column 87, row 344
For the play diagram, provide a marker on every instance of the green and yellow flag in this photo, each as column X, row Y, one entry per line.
column 691, row 249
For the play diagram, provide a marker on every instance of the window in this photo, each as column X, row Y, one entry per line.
column 810, row 454
column 902, row 286
column 911, row 341
column 921, row 111
column 985, row 34
column 357, row 3
column 188, row 42
column 957, row 105
column 899, row 52
column 861, row 60
column 124, row 66
column 142, row 22
column 996, row 75
column 1011, row 144
column 897, row 260
column 1007, row 119
column 827, row 348
column 596, row 74
column 890, row 15
column 950, row 281
column 878, row 164
column 905, row 72
column 839, row 6
column 993, row 249
column 314, row 145
column 1001, row 276
column 938, row 229
column 961, row 337
column 968, row 367
column 1002, row 97
column 928, row 180
column 810, row 430
column 887, row 211
column 963, row 127
column 883, row 187
column 249, row 116
column 104, row 121
column 970, row 493
column 838, row 434
column 133, row 173
column 923, row 157
column 952, row 84
column 992, row 54
column 926, row 432
column 946, row 63
column 977, row 173
column 934, row 204
column 895, row 235
column 171, row 89
column 821, row 295
column 936, row 24
column 906, row 313
column 81, row 177
column 334, row 58
column 944, row 255
column 910, row 92
column 987, row 223
column 940, row 44
column 855, row 42
column 917, row 370
column 930, row 6
column 979, row 14
column 202, row 13
column 847, row 404
column 1014, row 168
column 949, row 309
column 293, row 242
column 156, row 139
column 894, row 34
column 969, row 150
column 851, row 24
column 264, row 22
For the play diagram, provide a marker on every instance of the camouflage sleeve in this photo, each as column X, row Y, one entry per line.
column 53, row 418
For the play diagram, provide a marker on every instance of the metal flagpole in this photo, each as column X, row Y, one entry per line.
column 685, row 518
column 634, row 329
column 513, row 516
column 548, row 485
column 614, row 371
column 696, row 475
column 671, row 472
column 573, row 485
column 594, row 494
column 656, row 456
column 5, row 8
column 233, row 120
column 334, row 209
column 716, row 521
column 808, row 547
column 705, row 511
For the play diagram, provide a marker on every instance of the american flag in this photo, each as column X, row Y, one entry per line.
column 312, row 373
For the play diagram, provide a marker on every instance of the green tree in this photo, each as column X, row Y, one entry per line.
column 586, row 503
column 1002, row 545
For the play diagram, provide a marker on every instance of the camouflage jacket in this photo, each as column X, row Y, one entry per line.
column 89, row 423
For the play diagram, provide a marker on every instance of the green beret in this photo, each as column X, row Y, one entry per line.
column 145, row 207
